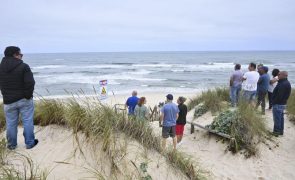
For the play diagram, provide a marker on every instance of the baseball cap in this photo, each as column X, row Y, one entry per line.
column 265, row 68
column 169, row 96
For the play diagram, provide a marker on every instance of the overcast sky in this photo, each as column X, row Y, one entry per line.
column 147, row 25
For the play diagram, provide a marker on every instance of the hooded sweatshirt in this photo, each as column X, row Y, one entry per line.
column 16, row 80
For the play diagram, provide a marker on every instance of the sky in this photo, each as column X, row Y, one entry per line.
column 39, row 26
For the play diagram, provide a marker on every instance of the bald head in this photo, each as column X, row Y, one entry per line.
column 134, row 93
column 283, row 75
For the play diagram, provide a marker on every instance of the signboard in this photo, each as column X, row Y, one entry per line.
column 103, row 89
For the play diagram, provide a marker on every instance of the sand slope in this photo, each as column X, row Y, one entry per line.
column 56, row 153
column 59, row 156
column 276, row 159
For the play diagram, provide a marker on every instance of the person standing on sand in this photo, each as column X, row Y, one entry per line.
column 181, row 120
column 280, row 97
column 250, row 79
column 262, row 87
column 169, row 115
column 17, row 86
column 272, row 84
column 235, row 84
column 131, row 103
column 141, row 111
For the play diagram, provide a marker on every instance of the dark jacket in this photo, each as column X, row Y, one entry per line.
column 16, row 80
column 281, row 92
column 182, row 114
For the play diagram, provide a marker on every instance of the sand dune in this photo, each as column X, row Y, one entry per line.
column 59, row 154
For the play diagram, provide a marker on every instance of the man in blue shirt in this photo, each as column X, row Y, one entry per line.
column 132, row 102
column 169, row 115
column 262, row 87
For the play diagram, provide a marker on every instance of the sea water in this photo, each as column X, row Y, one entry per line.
column 58, row 74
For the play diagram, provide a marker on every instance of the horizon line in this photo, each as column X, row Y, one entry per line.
column 159, row 51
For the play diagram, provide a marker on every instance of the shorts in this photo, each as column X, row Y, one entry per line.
column 179, row 129
column 168, row 131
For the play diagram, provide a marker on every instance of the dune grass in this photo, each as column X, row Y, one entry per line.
column 245, row 125
column 214, row 100
column 99, row 121
column 185, row 164
column 49, row 112
column 2, row 118
column 291, row 106
column 26, row 169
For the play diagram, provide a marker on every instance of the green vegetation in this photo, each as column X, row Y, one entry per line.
column 48, row 112
column 2, row 118
column 291, row 106
column 200, row 110
column 214, row 100
column 100, row 122
column 184, row 164
column 28, row 171
column 245, row 125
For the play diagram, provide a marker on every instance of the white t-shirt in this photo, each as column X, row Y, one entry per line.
column 271, row 87
column 250, row 84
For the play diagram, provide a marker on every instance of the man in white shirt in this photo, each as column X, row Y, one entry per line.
column 250, row 83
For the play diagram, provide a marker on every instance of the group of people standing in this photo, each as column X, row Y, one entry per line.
column 256, row 85
column 172, row 118
column 17, row 86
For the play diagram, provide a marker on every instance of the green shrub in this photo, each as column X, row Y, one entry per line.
column 291, row 106
column 200, row 110
column 243, row 124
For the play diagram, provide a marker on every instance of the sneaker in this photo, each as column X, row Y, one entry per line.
column 11, row 147
column 276, row 134
column 179, row 144
column 35, row 143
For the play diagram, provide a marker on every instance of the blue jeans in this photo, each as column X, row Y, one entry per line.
column 278, row 117
column 25, row 108
column 249, row 95
column 235, row 94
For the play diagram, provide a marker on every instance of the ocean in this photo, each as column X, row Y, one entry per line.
column 58, row 74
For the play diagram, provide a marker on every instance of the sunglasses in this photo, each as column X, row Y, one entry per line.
column 21, row 55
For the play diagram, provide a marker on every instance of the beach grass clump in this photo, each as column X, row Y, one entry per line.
column 76, row 116
column 193, row 102
column 244, row 125
column 25, row 168
column 2, row 118
column 185, row 164
column 141, row 131
column 215, row 100
column 291, row 106
column 49, row 112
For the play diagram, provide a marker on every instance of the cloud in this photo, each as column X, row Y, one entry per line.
column 62, row 26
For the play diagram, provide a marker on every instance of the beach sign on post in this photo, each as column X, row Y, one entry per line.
column 103, row 89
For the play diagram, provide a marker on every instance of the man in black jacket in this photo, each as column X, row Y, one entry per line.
column 280, row 97
column 17, row 86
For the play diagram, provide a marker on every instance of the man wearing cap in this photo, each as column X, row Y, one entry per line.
column 169, row 115
column 262, row 87
column 17, row 86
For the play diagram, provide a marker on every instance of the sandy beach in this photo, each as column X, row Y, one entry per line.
column 58, row 152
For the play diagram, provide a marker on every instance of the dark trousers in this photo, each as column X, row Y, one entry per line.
column 270, row 99
column 261, row 100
